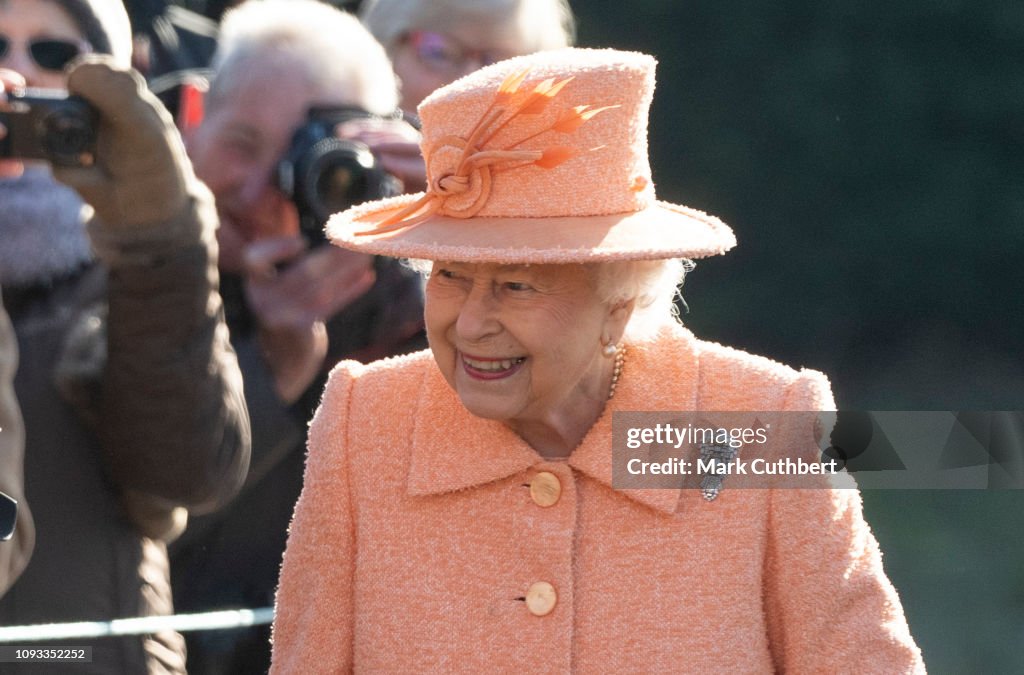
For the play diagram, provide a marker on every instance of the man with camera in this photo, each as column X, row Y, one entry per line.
column 130, row 392
column 298, row 124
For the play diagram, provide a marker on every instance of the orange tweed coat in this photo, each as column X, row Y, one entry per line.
column 415, row 541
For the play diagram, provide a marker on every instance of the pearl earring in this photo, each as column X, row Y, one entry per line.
column 610, row 349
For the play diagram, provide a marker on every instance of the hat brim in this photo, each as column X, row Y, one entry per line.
column 659, row 231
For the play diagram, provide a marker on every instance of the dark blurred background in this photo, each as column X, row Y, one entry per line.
column 870, row 157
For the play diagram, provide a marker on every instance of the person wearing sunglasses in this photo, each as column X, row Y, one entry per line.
column 47, row 54
column 39, row 38
column 130, row 394
column 434, row 42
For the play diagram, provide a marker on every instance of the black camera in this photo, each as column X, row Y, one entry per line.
column 48, row 124
column 323, row 174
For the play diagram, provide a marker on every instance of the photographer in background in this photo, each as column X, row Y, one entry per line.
column 295, row 307
column 130, row 392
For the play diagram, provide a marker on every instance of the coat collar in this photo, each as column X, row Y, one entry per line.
column 454, row 450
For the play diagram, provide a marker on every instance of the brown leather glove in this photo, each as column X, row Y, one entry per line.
column 141, row 175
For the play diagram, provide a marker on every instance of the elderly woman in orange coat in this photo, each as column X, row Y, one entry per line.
column 459, row 512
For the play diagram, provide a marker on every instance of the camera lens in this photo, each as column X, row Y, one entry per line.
column 323, row 174
column 338, row 174
column 68, row 137
column 339, row 185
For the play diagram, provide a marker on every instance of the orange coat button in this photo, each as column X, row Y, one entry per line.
column 541, row 598
column 545, row 489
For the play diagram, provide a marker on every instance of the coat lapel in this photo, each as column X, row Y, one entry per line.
column 661, row 374
column 454, row 450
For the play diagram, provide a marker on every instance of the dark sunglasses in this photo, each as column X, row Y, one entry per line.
column 48, row 53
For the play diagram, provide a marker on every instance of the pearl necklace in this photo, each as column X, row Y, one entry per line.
column 620, row 359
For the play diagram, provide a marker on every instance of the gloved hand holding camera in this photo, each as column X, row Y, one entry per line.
column 141, row 175
column 111, row 140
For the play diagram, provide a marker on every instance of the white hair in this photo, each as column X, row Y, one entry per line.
column 338, row 54
column 653, row 286
column 536, row 24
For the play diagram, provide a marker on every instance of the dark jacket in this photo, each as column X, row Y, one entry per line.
column 231, row 559
column 14, row 553
column 134, row 412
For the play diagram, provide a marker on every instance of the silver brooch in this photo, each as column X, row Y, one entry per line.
column 716, row 458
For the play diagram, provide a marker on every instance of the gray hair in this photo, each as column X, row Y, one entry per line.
column 538, row 24
column 336, row 52
column 652, row 285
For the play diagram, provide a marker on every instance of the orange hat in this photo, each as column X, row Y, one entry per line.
column 537, row 159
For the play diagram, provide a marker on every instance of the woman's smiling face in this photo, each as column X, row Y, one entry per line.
column 521, row 343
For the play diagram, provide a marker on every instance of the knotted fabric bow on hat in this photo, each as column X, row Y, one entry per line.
column 537, row 159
